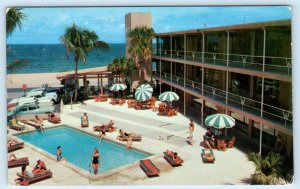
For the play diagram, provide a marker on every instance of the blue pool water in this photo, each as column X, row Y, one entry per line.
column 78, row 147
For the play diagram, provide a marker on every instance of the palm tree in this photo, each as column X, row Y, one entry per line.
column 80, row 42
column 14, row 18
column 267, row 169
column 141, row 46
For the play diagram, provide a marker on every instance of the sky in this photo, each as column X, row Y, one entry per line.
column 44, row 25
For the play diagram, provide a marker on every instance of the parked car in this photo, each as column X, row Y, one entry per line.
column 29, row 109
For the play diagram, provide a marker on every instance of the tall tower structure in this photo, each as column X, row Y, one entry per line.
column 132, row 21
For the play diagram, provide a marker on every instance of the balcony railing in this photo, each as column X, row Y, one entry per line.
column 282, row 65
column 269, row 112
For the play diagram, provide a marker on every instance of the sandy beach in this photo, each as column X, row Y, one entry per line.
column 33, row 80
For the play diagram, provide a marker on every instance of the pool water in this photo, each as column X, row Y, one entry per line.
column 78, row 147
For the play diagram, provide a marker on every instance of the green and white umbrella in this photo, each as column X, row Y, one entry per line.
column 168, row 96
column 143, row 92
column 220, row 121
column 117, row 87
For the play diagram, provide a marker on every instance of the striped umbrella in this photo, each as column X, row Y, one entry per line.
column 220, row 121
column 168, row 96
column 143, row 92
column 117, row 87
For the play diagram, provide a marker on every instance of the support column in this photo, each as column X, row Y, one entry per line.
column 184, row 108
column 184, row 46
column 102, row 92
column 202, row 112
column 171, row 49
column 227, row 71
column 289, row 145
column 264, row 48
column 160, row 66
column 203, row 46
column 171, row 72
column 262, row 91
column 98, row 83
column 250, row 128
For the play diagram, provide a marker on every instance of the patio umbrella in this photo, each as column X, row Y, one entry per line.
column 220, row 121
column 143, row 92
column 117, row 87
column 168, row 96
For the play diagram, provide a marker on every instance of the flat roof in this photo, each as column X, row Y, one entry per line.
column 101, row 71
column 254, row 25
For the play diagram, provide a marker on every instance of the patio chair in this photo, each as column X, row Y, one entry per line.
column 96, row 98
column 208, row 156
column 169, row 157
column 221, row 145
column 113, row 101
column 16, row 146
column 18, row 162
column 149, row 168
column 231, row 143
column 25, row 181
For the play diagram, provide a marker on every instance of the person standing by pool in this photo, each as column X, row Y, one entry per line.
column 95, row 160
column 191, row 131
column 84, row 120
column 58, row 154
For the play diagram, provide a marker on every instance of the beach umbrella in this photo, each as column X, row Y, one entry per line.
column 117, row 87
column 220, row 121
column 143, row 92
column 168, row 96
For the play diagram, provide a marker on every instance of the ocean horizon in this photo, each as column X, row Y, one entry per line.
column 51, row 58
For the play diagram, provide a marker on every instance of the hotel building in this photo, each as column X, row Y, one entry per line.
column 242, row 70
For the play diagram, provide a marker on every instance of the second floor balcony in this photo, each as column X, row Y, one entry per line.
column 268, row 112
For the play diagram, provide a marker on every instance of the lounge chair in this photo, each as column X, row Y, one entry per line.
column 208, row 156
column 168, row 155
column 137, row 138
column 106, row 127
column 230, row 144
column 15, row 125
column 149, row 168
column 18, row 162
column 15, row 146
column 38, row 177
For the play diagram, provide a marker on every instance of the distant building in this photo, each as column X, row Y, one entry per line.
column 242, row 70
column 132, row 21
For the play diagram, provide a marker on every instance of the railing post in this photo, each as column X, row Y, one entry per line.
column 160, row 66
column 171, row 72
column 202, row 80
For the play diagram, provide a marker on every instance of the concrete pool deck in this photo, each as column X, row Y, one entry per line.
column 158, row 134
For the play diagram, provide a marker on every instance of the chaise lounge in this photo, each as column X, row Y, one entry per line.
column 208, row 156
column 15, row 125
column 31, row 123
column 105, row 127
column 15, row 146
column 18, row 162
column 137, row 138
column 149, row 168
column 25, row 181
column 169, row 157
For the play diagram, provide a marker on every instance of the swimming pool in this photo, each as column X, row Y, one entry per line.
column 78, row 147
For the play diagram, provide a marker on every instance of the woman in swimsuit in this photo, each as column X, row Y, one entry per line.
column 58, row 154
column 95, row 160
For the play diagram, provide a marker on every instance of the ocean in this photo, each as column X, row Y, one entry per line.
column 49, row 58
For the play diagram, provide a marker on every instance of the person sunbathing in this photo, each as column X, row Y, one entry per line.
column 24, row 173
column 123, row 133
column 174, row 155
column 38, row 121
column 12, row 142
column 12, row 157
